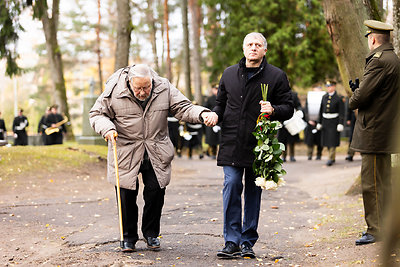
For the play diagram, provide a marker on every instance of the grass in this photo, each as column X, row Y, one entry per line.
column 22, row 160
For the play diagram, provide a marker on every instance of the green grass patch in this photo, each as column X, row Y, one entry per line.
column 22, row 160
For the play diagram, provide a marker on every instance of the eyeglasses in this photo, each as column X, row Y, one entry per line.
column 143, row 88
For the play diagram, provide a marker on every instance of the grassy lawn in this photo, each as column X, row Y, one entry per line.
column 21, row 160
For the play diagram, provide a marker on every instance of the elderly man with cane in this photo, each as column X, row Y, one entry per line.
column 132, row 112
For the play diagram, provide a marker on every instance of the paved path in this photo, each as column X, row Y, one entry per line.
column 79, row 225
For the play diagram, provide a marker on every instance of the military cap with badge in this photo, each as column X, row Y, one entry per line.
column 374, row 26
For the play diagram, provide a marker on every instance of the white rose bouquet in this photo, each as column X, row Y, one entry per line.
column 267, row 164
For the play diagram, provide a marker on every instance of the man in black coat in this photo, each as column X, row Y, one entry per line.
column 19, row 128
column 3, row 130
column 52, row 120
column 238, row 107
column 331, row 119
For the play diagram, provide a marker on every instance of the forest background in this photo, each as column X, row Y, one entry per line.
column 60, row 51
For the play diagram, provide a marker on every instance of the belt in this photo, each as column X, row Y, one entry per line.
column 172, row 119
column 330, row 115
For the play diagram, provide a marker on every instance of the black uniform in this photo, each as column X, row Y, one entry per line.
column 330, row 115
column 41, row 128
column 3, row 130
column 57, row 137
column 19, row 128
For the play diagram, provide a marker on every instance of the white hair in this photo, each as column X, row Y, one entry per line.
column 140, row 70
column 258, row 36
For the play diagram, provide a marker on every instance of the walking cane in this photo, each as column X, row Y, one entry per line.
column 114, row 143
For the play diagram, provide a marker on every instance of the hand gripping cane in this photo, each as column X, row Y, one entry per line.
column 114, row 143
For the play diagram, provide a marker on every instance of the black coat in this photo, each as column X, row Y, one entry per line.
column 331, row 105
column 19, row 127
column 57, row 137
column 238, row 109
column 312, row 136
column 3, row 130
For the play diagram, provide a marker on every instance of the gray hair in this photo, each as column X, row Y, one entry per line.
column 140, row 70
column 258, row 36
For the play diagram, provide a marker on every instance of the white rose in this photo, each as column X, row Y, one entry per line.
column 260, row 182
column 281, row 182
column 270, row 185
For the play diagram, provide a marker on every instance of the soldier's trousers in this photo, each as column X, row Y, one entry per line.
column 332, row 153
column 376, row 185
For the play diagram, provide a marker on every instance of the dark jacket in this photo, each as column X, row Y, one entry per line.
column 331, row 105
column 238, row 109
column 3, row 130
column 213, row 137
column 377, row 102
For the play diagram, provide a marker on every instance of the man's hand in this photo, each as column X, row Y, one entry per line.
column 111, row 135
column 266, row 107
column 210, row 118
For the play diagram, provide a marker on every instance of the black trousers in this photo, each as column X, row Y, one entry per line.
column 153, row 197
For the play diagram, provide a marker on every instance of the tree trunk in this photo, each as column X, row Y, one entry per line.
column 153, row 31
column 345, row 20
column 196, row 21
column 50, row 27
column 99, row 47
column 124, row 29
column 396, row 25
column 169, row 67
column 186, row 54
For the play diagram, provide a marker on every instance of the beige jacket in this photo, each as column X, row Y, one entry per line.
column 139, row 130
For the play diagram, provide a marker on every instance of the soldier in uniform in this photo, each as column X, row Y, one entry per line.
column 19, row 128
column 377, row 101
column 3, row 130
column 213, row 134
column 51, row 121
column 331, row 118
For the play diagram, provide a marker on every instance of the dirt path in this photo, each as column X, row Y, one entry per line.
column 70, row 219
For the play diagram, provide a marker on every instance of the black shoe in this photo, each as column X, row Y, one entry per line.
column 230, row 251
column 366, row 239
column 318, row 158
column 284, row 159
column 127, row 246
column 201, row 156
column 153, row 242
column 247, row 251
column 330, row 162
column 349, row 158
column 292, row 159
column 309, row 158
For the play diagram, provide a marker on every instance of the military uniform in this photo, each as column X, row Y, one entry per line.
column 377, row 101
column 19, row 128
column 331, row 115
column 3, row 130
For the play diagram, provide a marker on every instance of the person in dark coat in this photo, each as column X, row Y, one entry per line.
column 312, row 136
column 238, row 107
column 51, row 121
column 375, row 132
column 42, row 126
column 285, row 137
column 19, row 128
column 213, row 134
column 173, row 132
column 331, row 119
column 3, row 130
column 196, row 141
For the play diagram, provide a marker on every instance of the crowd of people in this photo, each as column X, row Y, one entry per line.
column 51, row 128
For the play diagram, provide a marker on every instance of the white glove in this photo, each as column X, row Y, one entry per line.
column 319, row 126
column 300, row 114
column 15, row 135
column 339, row 128
column 216, row 129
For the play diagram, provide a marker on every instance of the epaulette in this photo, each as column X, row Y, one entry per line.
column 378, row 54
